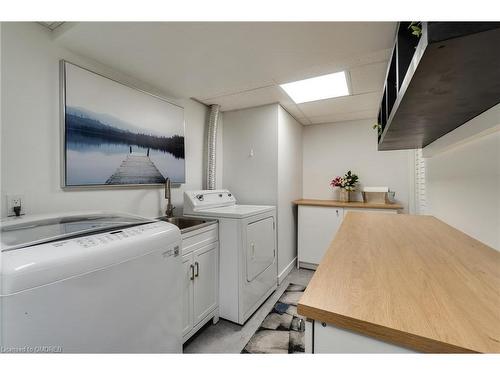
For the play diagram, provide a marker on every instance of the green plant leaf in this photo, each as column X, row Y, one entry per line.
column 416, row 28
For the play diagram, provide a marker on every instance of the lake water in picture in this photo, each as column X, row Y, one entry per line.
column 92, row 161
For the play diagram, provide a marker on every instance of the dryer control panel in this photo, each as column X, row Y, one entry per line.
column 195, row 200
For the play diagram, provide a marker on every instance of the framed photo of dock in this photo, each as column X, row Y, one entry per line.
column 117, row 135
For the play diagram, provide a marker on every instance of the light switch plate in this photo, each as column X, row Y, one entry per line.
column 15, row 200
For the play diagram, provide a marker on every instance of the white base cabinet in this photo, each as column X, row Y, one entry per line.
column 200, row 263
column 317, row 226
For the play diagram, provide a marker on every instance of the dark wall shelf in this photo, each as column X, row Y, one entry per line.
column 391, row 84
column 439, row 81
column 406, row 45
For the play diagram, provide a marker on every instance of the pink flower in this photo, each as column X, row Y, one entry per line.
column 337, row 182
column 348, row 182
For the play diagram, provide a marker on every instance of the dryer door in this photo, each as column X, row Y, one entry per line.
column 260, row 251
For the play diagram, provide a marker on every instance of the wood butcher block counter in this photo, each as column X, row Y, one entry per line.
column 413, row 281
column 332, row 203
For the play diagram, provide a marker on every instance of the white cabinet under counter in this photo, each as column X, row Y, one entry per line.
column 200, row 285
column 316, row 228
column 318, row 222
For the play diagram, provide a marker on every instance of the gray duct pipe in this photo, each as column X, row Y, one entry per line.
column 213, row 123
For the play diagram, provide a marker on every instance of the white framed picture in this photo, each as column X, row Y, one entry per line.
column 117, row 135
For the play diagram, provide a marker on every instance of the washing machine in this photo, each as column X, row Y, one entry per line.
column 248, row 259
column 90, row 283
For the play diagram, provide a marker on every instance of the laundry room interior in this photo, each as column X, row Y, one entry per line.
column 257, row 187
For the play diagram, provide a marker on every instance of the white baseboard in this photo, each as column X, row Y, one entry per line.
column 287, row 270
column 309, row 266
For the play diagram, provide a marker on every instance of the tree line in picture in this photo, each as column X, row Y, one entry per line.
column 94, row 128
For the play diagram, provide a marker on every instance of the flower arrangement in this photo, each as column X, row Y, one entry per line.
column 348, row 182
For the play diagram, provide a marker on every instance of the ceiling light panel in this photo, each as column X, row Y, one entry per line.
column 317, row 88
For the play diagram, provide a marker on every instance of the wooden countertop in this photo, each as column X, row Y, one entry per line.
column 410, row 280
column 332, row 203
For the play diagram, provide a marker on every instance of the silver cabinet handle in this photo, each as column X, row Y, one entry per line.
column 197, row 265
column 192, row 272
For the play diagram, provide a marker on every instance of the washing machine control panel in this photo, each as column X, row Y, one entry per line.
column 112, row 236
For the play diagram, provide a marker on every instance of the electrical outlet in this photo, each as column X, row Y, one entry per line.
column 13, row 201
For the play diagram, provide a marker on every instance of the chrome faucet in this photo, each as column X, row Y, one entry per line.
column 169, row 212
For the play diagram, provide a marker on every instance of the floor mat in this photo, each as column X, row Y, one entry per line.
column 283, row 330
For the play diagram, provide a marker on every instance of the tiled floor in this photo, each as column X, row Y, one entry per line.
column 228, row 337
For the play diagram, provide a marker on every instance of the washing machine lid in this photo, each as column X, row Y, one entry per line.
column 237, row 211
column 56, row 261
column 21, row 232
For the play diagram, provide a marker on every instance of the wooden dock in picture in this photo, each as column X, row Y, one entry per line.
column 137, row 168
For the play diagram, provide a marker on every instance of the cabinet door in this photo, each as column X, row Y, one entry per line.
column 187, row 293
column 206, row 288
column 317, row 228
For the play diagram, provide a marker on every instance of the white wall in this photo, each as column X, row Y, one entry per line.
column 333, row 149
column 463, row 188
column 289, row 186
column 273, row 175
column 252, row 179
column 30, row 145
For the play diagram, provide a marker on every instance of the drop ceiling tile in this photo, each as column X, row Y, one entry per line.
column 333, row 66
column 247, row 99
column 304, row 121
column 368, row 78
column 349, row 116
column 344, row 104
